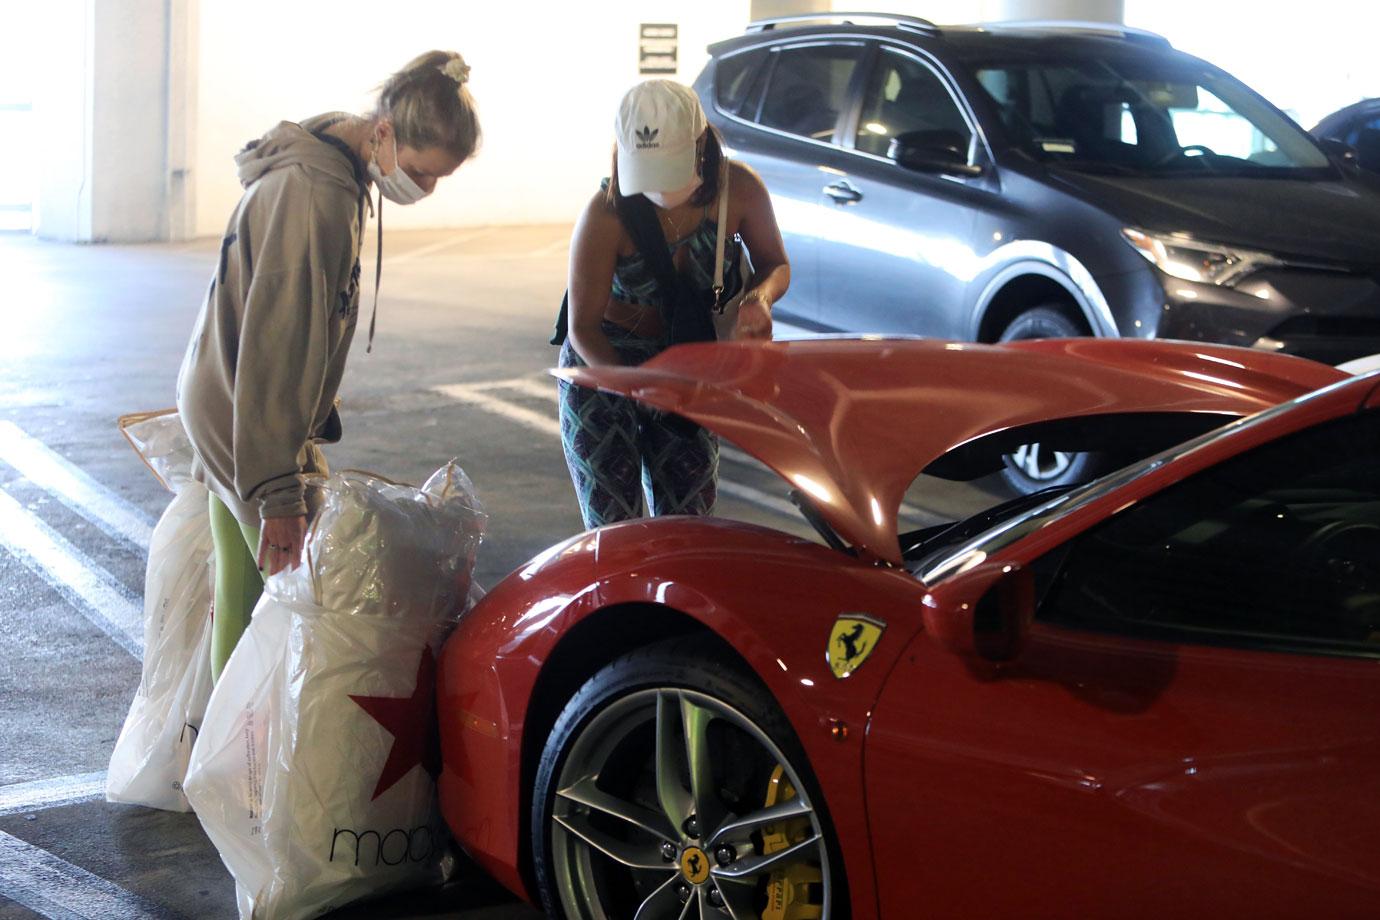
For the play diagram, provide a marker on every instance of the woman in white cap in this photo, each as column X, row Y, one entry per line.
column 257, row 387
column 620, row 311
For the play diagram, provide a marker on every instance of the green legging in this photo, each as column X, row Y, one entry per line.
column 238, row 582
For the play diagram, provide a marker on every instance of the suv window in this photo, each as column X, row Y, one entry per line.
column 905, row 96
column 809, row 88
column 734, row 78
column 1277, row 548
column 1365, row 137
column 1151, row 116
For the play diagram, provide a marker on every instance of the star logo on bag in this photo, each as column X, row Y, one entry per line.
column 411, row 720
column 646, row 136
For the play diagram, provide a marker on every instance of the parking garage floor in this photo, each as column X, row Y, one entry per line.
column 91, row 332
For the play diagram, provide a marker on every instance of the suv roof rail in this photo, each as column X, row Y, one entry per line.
column 913, row 23
column 1060, row 25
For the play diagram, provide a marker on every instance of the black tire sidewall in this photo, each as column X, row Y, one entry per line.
column 679, row 663
column 1042, row 322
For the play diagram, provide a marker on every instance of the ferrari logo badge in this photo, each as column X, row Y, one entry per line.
column 694, row 865
column 852, row 641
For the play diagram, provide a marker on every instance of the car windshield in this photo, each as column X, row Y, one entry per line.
column 1144, row 116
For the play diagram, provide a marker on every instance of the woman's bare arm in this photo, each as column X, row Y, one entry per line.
column 770, row 266
column 593, row 255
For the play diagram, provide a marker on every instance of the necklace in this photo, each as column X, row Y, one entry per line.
column 677, row 231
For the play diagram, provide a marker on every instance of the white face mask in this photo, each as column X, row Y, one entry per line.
column 668, row 200
column 398, row 187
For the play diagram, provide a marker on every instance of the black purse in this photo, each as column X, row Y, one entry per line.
column 562, row 321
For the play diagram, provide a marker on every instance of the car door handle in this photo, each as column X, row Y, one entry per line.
column 843, row 193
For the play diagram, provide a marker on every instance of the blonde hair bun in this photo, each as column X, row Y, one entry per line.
column 430, row 105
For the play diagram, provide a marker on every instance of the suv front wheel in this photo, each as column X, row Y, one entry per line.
column 1032, row 467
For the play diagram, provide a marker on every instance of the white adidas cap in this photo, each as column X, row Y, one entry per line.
column 658, row 124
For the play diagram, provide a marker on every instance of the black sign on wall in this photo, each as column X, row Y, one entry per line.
column 656, row 48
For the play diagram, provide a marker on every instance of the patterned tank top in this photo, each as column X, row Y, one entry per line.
column 635, row 283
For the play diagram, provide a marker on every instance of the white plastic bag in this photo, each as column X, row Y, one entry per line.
column 150, row 758
column 314, row 770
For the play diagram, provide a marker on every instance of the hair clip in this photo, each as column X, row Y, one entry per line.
column 456, row 69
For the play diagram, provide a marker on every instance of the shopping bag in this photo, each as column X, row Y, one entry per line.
column 151, row 755
column 314, row 772
column 162, row 443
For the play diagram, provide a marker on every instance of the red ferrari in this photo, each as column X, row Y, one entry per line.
column 1153, row 695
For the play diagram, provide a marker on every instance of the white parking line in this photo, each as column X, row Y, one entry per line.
column 431, row 248
column 545, row 388
column 54, row 888
column 103, row 600
column 481, row 395
column 49, row 470
column 550, row 249
column 478, row 395
column 539, row 388
column 38, row 795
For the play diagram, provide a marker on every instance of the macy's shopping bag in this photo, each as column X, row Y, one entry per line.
column 150, row 758
column 314, row 773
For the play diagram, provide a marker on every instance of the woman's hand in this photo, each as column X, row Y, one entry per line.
column 754, row 317
column 280, row 543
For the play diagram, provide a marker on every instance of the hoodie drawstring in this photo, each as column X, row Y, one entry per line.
column 378, row 276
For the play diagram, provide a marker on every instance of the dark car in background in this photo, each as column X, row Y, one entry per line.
column 1030, row 180
column 1357, row 127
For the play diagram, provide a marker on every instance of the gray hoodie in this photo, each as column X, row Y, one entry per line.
column 258, row 383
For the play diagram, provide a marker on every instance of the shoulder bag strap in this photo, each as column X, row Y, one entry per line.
column 639, row 219
column 719, row 236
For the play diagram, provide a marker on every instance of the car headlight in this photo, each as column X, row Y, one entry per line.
column 1192, row 260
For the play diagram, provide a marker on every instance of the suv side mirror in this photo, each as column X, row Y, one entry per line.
column 943, row 152
column 983, row 613
column 1341, row 150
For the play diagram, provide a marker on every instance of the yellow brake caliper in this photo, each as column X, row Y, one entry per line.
column 788, row 889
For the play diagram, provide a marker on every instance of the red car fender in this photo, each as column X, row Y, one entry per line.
column 772, row 597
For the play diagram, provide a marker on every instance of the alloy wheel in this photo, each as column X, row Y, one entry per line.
column 1040, row 464
column 671, row 803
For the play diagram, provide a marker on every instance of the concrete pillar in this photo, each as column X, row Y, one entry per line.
column 1082, row 10
column 129, row 117
column 113, row 112
column 62, row 121
column 184, row 42
column 770, row 9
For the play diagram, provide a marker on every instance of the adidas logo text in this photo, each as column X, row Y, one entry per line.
column 646, row 137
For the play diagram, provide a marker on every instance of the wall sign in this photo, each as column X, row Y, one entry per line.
column 656, row 48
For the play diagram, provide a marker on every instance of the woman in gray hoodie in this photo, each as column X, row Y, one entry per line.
column 257, row 387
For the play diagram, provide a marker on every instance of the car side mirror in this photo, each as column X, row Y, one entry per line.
column 983, row 613
column 1341, row 150
column 943, row 152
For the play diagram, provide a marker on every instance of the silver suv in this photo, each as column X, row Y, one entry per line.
column 1026, row 180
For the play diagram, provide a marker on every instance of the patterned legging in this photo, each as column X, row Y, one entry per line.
column 619, row 451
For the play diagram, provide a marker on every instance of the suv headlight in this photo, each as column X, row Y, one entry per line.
column 1192, row 260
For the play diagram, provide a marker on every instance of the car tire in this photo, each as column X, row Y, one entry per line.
column 1032, row 468
column 614, row 777
column 1047, row 321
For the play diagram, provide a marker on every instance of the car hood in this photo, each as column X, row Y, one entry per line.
column 852, row 422
column 1328, row 221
